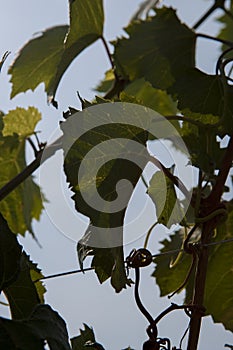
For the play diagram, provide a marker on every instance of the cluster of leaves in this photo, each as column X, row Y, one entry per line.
column 153, row 66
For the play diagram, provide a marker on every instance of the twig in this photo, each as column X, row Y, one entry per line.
column 41, row 157
column 223, row 41
column 108, row 52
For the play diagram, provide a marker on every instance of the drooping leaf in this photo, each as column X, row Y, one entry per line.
column 24, row 295
column 45, row 59
column 23, row 204
column 44, row 324
column 104, row 154
column 160, row 49
column 10, row 253
column 86, row 335
column 143, row 92
column 219, row 283
column 170, row 276
column 163, row 194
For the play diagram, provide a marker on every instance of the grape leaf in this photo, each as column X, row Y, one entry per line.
column 86, row 335
column 37, row 61
column 103, row 170
column 21, row 121
column 143, row 92
column 45, row 59
column 163, row 194
column 160, row 49
column 23, row 295
column 170, row 276
column 205, row 94
column 219, row 283
column 10, row 254
column 23, row 204
column 207, row 152
column 226, row 30
column 107, row 83
column 43, row 324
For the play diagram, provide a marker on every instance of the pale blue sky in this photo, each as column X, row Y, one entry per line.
column 79, row 298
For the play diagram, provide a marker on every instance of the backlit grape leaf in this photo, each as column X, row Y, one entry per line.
column 10, row 254
column 23, row 204
column 44, row 324
column 145, row 94
column 21, row 122
column 45, row 59
column 163, row 194
column 170, row 276
column 104, row 167
column 160, row 49
column 86, row 335
column 37, row 61
column 24, row 295
column 219, row 283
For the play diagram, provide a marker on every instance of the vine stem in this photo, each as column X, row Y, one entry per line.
column 41, row 157
column 210, row 204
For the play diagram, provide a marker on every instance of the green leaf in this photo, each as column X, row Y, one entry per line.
column 21, row 121
column 159, row 49
column 163, row 194
column 144, row 93
column 86, row 335
column 23, row 295
column 107, row 83
column 205, row 94
column 10, row 253
column 107, row 155
column 45, row 59
column 37, row 61
column 23, row 204
column 207, row 153
column 44, row 324
column 219, row 283
column 170, row 276
column 226, row 32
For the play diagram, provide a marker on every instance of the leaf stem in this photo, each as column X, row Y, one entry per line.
column 41, row 157
column 107, row 51
column 223, row 41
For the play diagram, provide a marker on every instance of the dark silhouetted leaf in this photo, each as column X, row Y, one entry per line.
column 219, row 284
column 86, row 335
column 44, row 324
column 159, row 49
column 23, row 295
column 10, row 253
